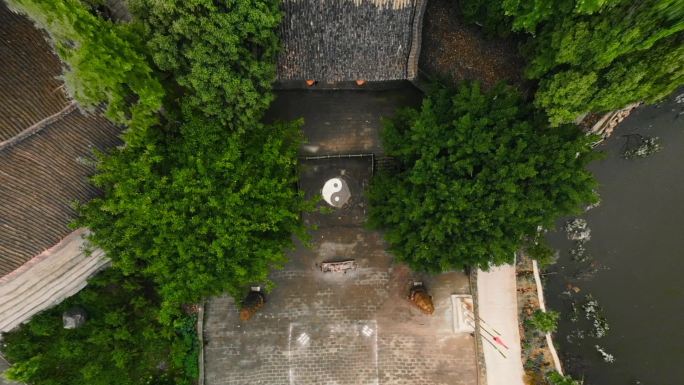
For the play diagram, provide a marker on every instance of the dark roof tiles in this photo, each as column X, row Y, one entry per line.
column 29, row 86
column 40, row 178
column 342, row 40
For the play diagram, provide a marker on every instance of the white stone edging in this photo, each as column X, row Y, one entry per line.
column 200, row 338
column 540, row 295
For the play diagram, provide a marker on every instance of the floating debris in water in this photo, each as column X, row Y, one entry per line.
column 679, row 99
column 575, row 336
column 578, row 230
column 639, row 146
column 594, row 313
column 607, row 357
column 578, row 253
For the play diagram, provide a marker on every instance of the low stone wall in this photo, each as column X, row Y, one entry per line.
column 479, row 353
column 537, row 349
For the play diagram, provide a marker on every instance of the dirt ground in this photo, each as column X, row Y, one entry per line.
column 453, row 51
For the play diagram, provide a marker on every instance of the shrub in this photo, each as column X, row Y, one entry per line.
column 556, row 378
column 121, row 342
column 544, row 322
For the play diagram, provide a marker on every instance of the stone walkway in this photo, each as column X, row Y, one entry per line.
column 356, row 328
column 498, row 307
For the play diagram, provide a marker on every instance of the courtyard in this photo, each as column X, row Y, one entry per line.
column 356, row 327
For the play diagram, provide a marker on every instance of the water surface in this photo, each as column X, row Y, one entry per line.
column 638, row 239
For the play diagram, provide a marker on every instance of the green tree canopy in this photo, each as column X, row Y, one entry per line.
column 222, row 53
column 121, row 342
column 478, row 174
column 106, row 62
column 199, row 210
column 593, row 55
column 206, row 202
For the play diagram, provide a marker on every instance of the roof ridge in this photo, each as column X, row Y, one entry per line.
column 37, row 127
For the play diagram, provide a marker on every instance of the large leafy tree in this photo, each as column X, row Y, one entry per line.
column 201, row 199
column 122, row 341
column 478, row 173
column 593, row 55
column 106, row 62
column 207, row 202
column 199, row 210
column 222, row 53
column 626, row 53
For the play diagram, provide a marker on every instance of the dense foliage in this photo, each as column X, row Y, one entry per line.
column 593, row 55
column 207, row 203
column 222, row 53
column 200, row 213
column 122, row 341
column 106, row 61
column 478, row 174
column 201, row 199
column 543, row 321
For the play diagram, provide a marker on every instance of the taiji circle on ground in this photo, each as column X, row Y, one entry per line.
column 336, row 192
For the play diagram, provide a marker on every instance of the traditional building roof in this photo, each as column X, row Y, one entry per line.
column 29, row 71
column 45, row 144
column 343, row 40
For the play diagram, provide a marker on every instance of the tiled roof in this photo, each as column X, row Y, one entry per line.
column 29, row 88
column 44, row 146
column 341, row 40
column 40, row 178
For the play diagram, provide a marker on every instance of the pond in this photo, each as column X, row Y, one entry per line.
column 637, row 244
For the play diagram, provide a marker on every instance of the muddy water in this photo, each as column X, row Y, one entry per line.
column 638, row 239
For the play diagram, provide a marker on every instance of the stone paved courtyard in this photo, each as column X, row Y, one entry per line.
column 356, row 328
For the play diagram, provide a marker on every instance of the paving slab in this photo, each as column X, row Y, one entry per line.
column 353, row 328
column 499, row 311
column 342, row 121
column 356, row 327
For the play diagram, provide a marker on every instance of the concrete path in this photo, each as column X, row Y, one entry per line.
column 499, row 313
